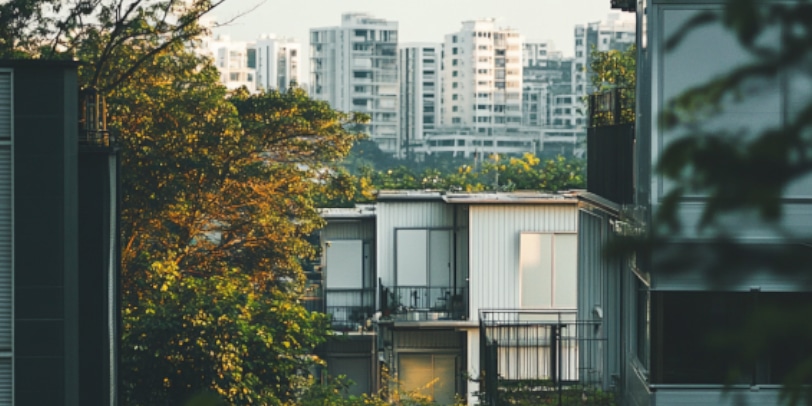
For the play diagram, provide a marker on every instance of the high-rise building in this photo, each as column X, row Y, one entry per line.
column 482, row 78
column 538, row 53
column 278, row 62
column 419, row 108
column 232, row 60
column 354, row 68
column 616, row 33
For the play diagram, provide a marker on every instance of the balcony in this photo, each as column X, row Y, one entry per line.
column 349, row 309
column 541, row 357
column 93, row 131
column 424, row 303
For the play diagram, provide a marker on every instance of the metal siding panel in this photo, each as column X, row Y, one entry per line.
column 5, row 381
column 5, row 106
column 348, row 230
column 6, row 237
column 5, row 249
column 494, row 252
column 715, row 397
column 394, row 215
column 6, row 234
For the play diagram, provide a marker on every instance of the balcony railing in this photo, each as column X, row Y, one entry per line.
column 424, row 303
column 349, row 309
column 541, row 357
column 93, row 130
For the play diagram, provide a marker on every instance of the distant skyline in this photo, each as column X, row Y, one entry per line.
column 419, row 20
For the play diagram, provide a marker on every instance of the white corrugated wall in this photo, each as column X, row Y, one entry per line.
column 494, row 248
column 407, row 214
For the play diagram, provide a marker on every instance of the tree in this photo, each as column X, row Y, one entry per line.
column 113, row 38
column 527, row 172
column 217, row 208
column 218, row 199
column 615, row 72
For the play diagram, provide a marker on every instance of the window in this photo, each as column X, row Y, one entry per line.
column 685, row 336
column 548, row 270
column 423, row 263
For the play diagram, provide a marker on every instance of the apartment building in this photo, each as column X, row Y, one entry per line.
column 482, row 78
column 420, row 78
column 277, row 62
column 231, row 58
column 354, row 68
column 59, row 254
column 664, row 317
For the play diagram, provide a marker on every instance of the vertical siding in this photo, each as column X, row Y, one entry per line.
column 600, row 285
column 348, row 230
column 494, row 248
column 408, row 214
column 6, row 237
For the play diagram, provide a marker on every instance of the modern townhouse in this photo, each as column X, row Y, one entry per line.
column 444, row 269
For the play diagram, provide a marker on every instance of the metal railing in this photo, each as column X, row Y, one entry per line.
column 93, row 120
column 349, row 309
column 425, row 303
column 615, row 106
column 540, row 357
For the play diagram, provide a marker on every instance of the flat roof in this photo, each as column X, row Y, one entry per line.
column 358, row 212
column 521, row 196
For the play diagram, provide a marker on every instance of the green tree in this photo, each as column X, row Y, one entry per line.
column 217, row 208
column 497, row 173
column 615, row 72
column 218, row 199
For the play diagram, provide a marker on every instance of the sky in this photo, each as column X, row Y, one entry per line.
column 419, row 20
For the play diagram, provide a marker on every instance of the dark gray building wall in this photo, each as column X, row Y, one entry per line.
column 45, row 242
column 98, row 274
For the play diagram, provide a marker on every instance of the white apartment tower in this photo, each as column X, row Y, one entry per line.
column 482, row 78
column 231, row 59
column 278, row 62
column 419, row 108
column 354, row 68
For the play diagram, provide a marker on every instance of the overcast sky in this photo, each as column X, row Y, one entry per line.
column 419, row 20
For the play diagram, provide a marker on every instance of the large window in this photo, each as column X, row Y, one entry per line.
column 548, row 270
column 727, row 337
